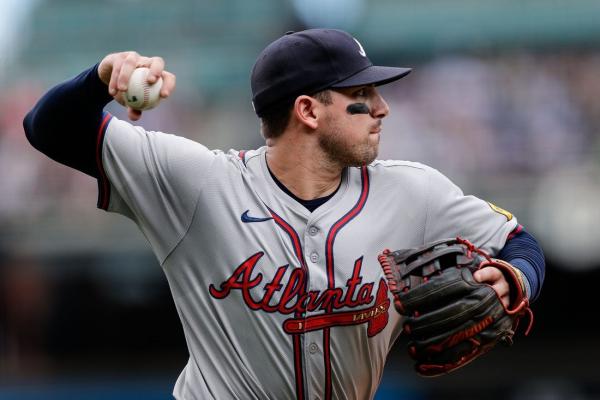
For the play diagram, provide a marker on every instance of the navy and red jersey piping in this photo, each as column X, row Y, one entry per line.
column 296, row 339
column 103, row 182
column 515, row 232
column 242, row 156
column 330, row 267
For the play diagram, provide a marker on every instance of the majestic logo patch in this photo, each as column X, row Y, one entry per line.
column 246, row 218
column 293, row 299
column 501, row 211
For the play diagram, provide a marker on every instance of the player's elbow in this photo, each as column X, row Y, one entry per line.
column 29, row 128
column 33, row 130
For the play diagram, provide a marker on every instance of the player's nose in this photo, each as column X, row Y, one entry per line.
column 379, row 107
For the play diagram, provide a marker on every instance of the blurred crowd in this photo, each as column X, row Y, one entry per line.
column 492, row 115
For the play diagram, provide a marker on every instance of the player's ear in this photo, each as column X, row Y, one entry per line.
column 306, row 111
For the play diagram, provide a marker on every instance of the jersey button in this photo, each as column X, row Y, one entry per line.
column 314, row 257
column 313, row 230
column 313, row 348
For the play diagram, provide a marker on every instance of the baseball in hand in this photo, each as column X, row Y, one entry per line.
column 140, row 94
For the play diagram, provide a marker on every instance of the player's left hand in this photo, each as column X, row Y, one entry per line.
column 458, row 302
column 496, row 279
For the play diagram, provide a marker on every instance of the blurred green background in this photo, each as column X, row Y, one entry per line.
column 504, row 99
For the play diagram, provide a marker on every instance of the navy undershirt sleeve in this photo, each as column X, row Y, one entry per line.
column 64, row 123
column 524, row 252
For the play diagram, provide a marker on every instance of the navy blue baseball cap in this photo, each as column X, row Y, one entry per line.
column 309, row 61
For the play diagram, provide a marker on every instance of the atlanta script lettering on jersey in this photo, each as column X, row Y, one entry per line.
column 294, row 299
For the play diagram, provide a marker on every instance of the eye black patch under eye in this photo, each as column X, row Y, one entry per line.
column 358, row 108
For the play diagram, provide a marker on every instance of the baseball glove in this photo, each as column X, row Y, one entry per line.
column 451, row 319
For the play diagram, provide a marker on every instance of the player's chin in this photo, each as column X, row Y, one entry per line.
column 369, row 154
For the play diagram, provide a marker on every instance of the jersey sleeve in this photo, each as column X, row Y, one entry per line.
column 450, row 213
column 153, row 178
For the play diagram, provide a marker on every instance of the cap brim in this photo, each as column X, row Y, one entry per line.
column 373, row 75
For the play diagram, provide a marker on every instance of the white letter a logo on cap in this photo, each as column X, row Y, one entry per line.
column 361, row 51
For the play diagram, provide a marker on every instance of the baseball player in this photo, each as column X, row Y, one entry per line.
column 271, row 254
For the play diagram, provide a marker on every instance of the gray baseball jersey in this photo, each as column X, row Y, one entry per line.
column 277, row 302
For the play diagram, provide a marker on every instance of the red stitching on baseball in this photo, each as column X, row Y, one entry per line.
column 146, row 95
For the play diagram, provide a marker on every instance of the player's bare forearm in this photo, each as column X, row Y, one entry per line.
column 116, row 69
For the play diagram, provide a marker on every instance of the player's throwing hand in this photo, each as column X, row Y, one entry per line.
column 115, row 71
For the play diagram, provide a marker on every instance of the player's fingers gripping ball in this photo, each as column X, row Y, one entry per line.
column 451, row 319
column 140, row 94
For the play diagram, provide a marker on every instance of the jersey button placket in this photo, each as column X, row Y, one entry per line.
column 317, row 282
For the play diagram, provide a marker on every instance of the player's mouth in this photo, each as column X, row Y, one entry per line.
column 377, row 127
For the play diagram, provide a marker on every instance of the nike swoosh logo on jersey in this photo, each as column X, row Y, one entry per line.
column 246, row 218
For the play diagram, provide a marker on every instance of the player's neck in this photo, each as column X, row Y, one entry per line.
column 302, row 170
